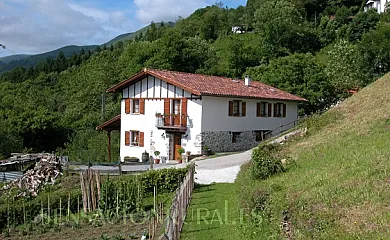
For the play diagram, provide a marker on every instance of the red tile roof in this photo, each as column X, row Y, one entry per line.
column 204, row 85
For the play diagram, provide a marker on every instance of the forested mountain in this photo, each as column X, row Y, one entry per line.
column 23, row 60
column 315, row 49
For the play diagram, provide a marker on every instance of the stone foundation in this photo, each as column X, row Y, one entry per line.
column 222, row 141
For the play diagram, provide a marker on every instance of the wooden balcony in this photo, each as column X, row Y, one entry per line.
column 172, row 123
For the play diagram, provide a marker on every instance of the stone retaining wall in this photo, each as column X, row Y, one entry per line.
column 222, row 141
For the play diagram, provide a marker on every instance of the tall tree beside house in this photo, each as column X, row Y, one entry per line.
column 298, row 74
column 283, row 29
column 375, row 49
column 343, row 67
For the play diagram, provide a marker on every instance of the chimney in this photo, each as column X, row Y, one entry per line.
column 247, row 81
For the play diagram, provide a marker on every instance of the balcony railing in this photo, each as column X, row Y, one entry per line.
column 176, row 122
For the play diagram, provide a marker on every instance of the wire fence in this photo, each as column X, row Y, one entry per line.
column 179, row 206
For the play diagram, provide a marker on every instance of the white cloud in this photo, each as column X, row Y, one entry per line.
column 35, row 26
column 166, row 10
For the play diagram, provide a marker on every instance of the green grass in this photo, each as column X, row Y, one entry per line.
column 214, row 213
column 339, row 186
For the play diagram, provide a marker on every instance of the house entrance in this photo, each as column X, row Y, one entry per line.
column 176, row 145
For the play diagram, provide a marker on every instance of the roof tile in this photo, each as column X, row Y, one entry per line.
column 200, row 84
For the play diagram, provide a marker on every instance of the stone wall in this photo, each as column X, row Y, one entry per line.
column 222, row 141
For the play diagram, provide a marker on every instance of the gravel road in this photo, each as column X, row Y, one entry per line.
column 220, row 169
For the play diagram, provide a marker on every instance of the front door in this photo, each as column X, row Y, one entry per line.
column 176, row 112
column 176, row 145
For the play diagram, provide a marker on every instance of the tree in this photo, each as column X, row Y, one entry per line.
column 343, row 67
column 283, row 29
column 375, row 48
column 298, row 74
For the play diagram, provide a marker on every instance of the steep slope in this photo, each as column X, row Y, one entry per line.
column 339, row 186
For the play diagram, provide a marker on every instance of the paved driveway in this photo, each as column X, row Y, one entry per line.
column 220, row 169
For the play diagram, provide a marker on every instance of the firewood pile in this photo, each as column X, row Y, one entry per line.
column 46, row 171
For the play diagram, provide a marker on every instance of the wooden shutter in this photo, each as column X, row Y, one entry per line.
column 141, row 139
column 142, row 106
column 258, row 109
column 127, row 138
column 269, row 109
column 275, row 109
column 284, row 110
column 230, row 108
column 127, row 105
column 243, row 109
column 184, row 112
column 167, row 104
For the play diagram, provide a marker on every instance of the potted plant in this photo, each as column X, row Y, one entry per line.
column 156, row 160
column 206, row 151
column 180, row 151
column 158, row 114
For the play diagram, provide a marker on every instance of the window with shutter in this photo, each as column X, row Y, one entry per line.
column 142, row 106
column 275, row 110
column 243, row 109
column 184, row 112
column 269, row 109
column 284, row 110
column 134, row 138
column 135, row 106
column 258, row 110
column 236, row 108
column 127, row 105
column 230, row 108
column 262, row 109
column 167, row 109
column 141, row 139
column 127, row 138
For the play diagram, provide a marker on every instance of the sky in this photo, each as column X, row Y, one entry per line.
column 36, row 26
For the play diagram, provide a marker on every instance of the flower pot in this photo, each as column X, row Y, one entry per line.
column 180, row 161
column 156, row 160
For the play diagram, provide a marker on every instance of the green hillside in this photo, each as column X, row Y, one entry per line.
column 338, row 185
column 132, row 35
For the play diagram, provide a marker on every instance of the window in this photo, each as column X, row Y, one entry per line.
column 237, row 108
column 260, row 135
column 235, row 136
column 279, row 110
column 262, row 109
column 135, row 107
column 134, row 138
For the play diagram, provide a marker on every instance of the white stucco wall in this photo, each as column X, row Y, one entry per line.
column 379, row 5
column 215, row 115
column 152, row 87
column 156, row 139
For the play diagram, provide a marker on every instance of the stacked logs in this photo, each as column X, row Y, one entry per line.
column 46, row 171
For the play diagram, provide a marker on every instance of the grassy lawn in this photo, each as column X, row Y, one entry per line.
column 338, row 187
column 213, row 214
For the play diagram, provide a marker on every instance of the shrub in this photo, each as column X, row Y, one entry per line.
column 264, row 163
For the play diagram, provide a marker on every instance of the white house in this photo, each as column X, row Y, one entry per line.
column 165, row 110
column 379, row 5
